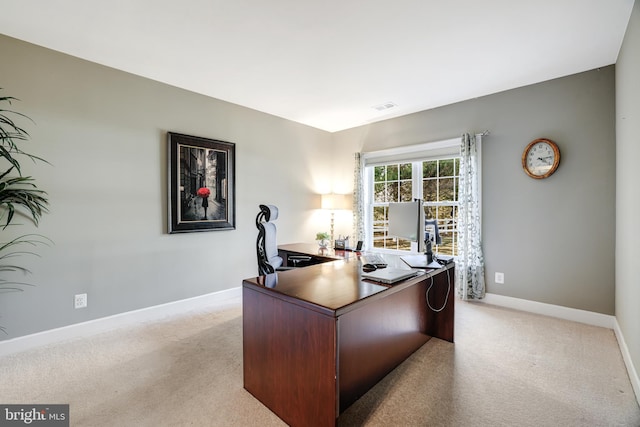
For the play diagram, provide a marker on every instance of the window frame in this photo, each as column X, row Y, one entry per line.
column 415, row 155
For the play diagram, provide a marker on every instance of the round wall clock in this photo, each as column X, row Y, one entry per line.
column 541, row 158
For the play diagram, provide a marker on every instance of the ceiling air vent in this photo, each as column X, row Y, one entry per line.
column 385, row 106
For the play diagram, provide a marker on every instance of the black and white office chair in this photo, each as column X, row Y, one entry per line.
column 267, row 247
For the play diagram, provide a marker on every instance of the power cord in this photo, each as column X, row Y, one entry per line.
column 446, row 298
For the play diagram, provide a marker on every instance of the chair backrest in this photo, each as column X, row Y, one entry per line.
column 267, row 245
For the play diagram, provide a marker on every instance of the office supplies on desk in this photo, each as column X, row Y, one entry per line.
column 369, row 267
column 358, row 247
column 445, row 259
column 341, row 243
column 389, row 276
column 374, row 259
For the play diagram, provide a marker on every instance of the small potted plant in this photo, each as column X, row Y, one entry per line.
column 323, row 239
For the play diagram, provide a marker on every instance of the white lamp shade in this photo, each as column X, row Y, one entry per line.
column 334, row 201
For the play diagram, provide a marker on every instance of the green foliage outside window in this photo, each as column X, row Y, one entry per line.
column 440, row 193
column 394, row 183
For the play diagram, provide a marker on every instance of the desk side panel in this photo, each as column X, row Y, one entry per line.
column 377, row 337
column 289, row 359
column 442, row 295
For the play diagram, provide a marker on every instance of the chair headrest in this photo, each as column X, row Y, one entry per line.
column 270, row 212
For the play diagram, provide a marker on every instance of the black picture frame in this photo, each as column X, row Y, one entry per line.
column 201, row 174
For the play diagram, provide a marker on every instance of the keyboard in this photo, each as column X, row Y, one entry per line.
column 374, row 259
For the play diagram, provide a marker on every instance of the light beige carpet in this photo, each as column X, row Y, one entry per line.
column 507, row 368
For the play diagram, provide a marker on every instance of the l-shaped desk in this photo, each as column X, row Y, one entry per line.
column 317, row 338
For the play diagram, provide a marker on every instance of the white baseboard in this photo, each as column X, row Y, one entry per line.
column 230, row 297
column 626, row 356
column 574, row 314
column 214, row 300
column 582, row 316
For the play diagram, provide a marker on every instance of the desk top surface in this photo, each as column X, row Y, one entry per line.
column 316, row 251
column 331, row 287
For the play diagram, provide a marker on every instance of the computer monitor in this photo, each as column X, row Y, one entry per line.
column 407, row 221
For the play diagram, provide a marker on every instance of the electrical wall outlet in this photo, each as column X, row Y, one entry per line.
column 80, row 301
column 500, row 278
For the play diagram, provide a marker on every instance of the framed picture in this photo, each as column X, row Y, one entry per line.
column 201, row 184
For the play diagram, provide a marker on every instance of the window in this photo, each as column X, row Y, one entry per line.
column 431, row 175
column 391, row 183
column 440, row 197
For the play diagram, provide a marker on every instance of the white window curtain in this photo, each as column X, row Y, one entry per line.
column 470, row 261
column 358, row 198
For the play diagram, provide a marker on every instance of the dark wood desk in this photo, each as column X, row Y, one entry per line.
column 315, row 339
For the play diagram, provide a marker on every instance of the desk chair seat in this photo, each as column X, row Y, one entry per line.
column 267, row 247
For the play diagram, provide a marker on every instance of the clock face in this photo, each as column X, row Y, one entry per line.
column 541, row 158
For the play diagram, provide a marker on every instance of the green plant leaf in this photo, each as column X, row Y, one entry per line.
column 19, row 195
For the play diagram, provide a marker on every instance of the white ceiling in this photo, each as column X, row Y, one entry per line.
column 326, row 63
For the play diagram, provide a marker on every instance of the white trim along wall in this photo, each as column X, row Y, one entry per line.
column 581, row 316
column 233, row 297
column 213, row 301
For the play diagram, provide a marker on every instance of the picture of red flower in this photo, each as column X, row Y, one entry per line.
column 203, row 192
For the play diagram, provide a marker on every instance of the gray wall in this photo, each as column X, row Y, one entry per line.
column 104, row 131
column 628, row 190
column 554, row 238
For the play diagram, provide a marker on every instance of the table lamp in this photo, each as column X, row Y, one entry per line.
column 333, row 202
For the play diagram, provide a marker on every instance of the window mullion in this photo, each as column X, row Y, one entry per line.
column 393, row 185
column 368, row 194
column 416, row 180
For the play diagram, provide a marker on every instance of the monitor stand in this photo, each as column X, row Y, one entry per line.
column 431, row 263
column 420, row 261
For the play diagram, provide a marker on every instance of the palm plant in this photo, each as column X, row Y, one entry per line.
column 18, row 195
